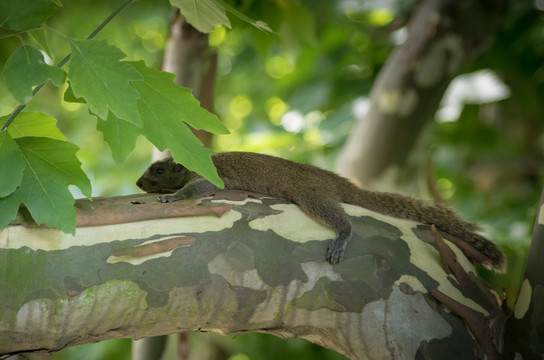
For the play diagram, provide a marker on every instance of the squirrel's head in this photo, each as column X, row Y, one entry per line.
column 163, row 176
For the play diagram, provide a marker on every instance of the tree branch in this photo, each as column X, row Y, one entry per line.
column 255, row 265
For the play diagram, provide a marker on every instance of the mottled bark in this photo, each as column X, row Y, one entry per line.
column 525, row 333
column 237, row 266
column 443, row 37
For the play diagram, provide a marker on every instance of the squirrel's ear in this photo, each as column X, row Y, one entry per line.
column 179, row 167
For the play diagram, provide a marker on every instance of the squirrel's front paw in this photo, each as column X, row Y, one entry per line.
column 169, row 198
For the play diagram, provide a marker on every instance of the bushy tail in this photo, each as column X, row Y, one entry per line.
column 443, row 217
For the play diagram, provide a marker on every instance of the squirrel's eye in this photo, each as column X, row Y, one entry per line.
column 159, row 171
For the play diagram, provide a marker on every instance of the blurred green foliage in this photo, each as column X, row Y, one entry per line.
column 295, row 94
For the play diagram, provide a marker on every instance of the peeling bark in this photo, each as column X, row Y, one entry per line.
column 443, row 37
column 259, row 266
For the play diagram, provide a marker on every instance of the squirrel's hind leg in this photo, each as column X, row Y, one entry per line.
column 330, row 213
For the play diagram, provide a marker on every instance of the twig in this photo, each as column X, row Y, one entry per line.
column 18, row 109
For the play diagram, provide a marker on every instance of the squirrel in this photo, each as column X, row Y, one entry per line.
column 317, row 192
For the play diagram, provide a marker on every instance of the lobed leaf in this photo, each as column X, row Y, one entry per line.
column 97, row 75
column 26, row 68
column 204, row 15
column 11, row 162
column 50, row 166
column 23, row 15
column 34, row 123
column 160, row 90
column 70, row 97
column 166, row 132
column 163, row 109
column 120, row 135
column 261, row 25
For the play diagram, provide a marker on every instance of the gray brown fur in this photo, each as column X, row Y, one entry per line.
column 316, row 191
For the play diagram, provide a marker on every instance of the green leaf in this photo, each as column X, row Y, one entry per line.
column 39, row 36
column 11, row 162
column 166, row 133
column 261, row 25
column 163, row 110
column 26, row 68
column 160, row 90
column 204, row 15
column 23, row 15
column 120, row 136
column 51, row 165
column 97, row 75
column 34, row 124
column 70, row 97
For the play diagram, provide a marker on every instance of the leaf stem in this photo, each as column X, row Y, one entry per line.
column 18, row 109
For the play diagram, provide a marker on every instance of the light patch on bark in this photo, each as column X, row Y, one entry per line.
column 347, row 336
column 52, row 239
column 58, row 317
column 524, row 299
column 281, row 295
column 398, row 102
column 413, row 282
column 248, row 279
column 389, row 328
column 268, row 311
column 293, row 224
column 388, row 101
column 426, row 257
column 408, row 102
column 316, row 271
column 137, row 260
column 237, row 202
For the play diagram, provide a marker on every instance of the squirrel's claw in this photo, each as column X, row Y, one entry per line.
column 335, row 252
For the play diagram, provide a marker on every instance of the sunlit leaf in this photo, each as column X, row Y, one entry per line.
column 34, row 123
column 51, row 165
column 178, row 100
column 204, row 15
column 97, row 75
column 259, row 24
column 120, row 135
column 11, row 162
column 163, row 115
column 26, row 68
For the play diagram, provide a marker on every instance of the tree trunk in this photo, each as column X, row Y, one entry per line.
column 138, row 268
column 524, row 331
column 443, row 37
